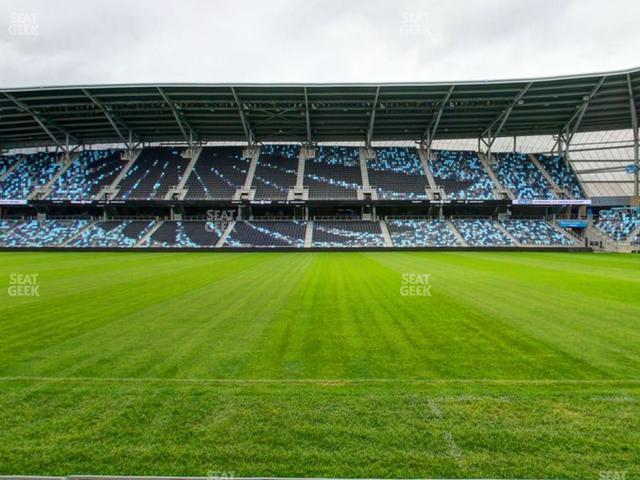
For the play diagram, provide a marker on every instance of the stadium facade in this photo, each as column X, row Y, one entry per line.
column 533, row 163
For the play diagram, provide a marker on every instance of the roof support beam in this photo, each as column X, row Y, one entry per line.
column 245, row 123
column 579, row 113
column 308, row 118
column 372, row 117
column 182, row 123
column 112, row 118
column 431, row 130
column 504, row 116
column 41, row 122
column 636, row 148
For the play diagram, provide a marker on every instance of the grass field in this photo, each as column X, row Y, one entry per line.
column 314, row 364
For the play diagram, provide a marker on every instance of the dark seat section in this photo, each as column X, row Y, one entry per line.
column 347, row 234
column 186, row 234
column 276, row 171
column 155, row 171
column 397, row 174
column 217, row 174
column 265, row 234
column 89, row 172
column 334, row 173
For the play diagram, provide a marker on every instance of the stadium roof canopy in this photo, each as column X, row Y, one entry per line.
column 317, row 112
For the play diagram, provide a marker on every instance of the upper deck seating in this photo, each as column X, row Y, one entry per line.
column 276, row 171
column 155, row 171
column 462, row 175
column 217, row 174
column 397, row 174
column 562, row 174
column 519, row 174
column 334, row 173
column 90, row 171
column 34, row 170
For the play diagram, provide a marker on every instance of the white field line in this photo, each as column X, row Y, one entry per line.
column 480, row 381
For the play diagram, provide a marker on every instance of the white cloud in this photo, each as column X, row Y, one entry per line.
column 115, row 41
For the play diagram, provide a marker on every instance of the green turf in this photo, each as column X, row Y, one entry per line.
column 313, row 364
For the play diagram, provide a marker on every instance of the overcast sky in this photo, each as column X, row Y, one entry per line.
column 66, row 42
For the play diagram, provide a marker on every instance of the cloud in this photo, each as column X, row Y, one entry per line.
column 115, row 41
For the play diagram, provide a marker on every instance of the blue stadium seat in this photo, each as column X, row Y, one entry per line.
column 397, row 174
column 519, row 174
column 334, row 173
column 421, row 233
column 461, row 175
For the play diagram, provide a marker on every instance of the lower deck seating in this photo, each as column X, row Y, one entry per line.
column 536, row 232
column 39, row 233
column 349, row 234
column 83, row 233
column 112, row 234
column 618, row 223
column 188, row 234
column 421, row 233
column 482, row 233
column 267, row 234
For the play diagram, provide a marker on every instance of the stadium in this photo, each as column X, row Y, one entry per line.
column 165, row 187
column 321, row 280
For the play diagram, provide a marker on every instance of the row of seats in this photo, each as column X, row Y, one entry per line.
column 34, row 233
column 397, row 174
column 354, row 234
column 217, row 174
column 482, row 233
column 326, row 234
column 89, row 172
column 276, row 172
column 461, row 175
column 155, row 170
column 334, row 173
column 422, row 233
column 519, row 174
column 33, row 171
column 536, row 232
column 268, row 234
column 618, row 223
column 190, row 234
column 562, row 174
column 112, row 234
